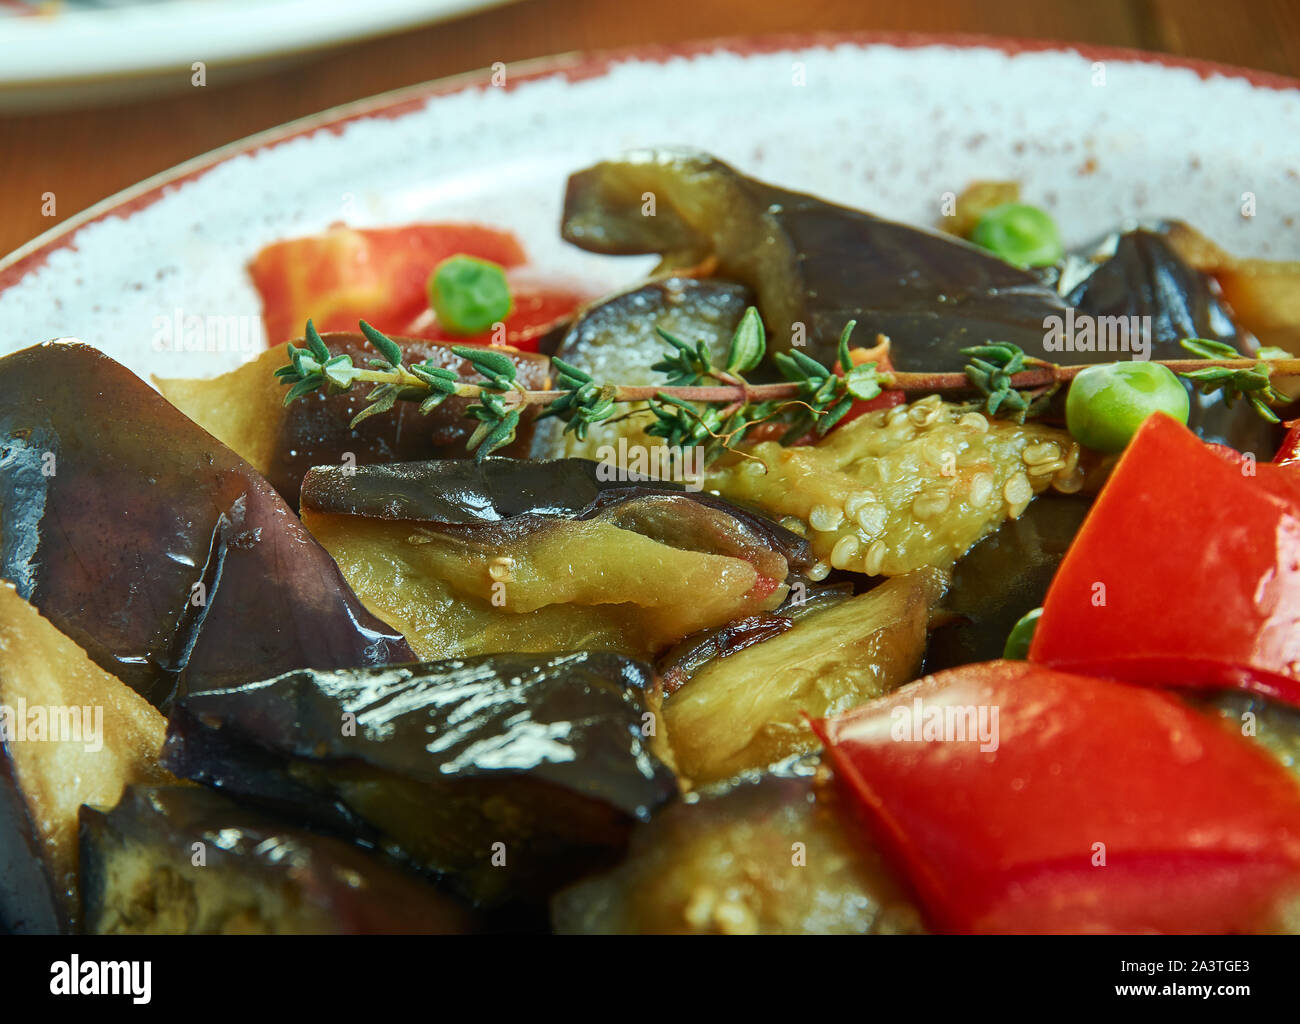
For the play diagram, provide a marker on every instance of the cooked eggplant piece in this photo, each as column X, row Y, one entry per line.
column 509, row 774
column 810, row 262
column 245, row 410
column 819, row 265
column 473, row 559
column 748, row 710
column 1140, row 274
column 1264, row 295
column 164, row 555
column 70, row 733
column 1000, row 579
column 766, row 857
column 616, row 339
column 684, row 659
column 907, row 487
column 182, row 860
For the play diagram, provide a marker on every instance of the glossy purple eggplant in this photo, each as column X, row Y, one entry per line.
column 1138, row 279
column 819, row 265
column 813, row 265
column 183, row 860
column 508, row 774
column 164, row 555
column 502, row 556
column 617, row 339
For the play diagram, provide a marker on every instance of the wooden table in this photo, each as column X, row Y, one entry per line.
column 84, row 155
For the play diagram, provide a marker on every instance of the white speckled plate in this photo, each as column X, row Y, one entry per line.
column 886, row 123
column 96, row 51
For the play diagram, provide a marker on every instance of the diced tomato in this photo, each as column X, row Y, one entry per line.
column 1288, row 454
column 1185, row 573
column 1072, row 805
column 884, row 400
column 374, row 274
column 538, row 306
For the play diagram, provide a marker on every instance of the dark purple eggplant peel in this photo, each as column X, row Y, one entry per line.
column 165, row 556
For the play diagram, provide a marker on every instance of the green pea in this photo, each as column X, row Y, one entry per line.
column 1020, row 234
column 468, row 294
column 1021, row 636
column 1108, row 402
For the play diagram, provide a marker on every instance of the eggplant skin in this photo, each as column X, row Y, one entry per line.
column 257, row 875
column 510, row 774
column 617, row 339
column 30, row 903
column 811, row 262
column 160, row 552
column 466, row 493
column 1001, row 578
column 1140, row 273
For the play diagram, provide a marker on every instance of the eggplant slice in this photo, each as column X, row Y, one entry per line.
column 472, row 559
column 616, row 339
column 901, row 489
column 245, row 410
column 1001, row 578
column 811, row 263
column 183, row 860
column 768, row 857
column 816, row 265
column 748, row 710
column 157, row 549
column 70, row 733
column 509, row 775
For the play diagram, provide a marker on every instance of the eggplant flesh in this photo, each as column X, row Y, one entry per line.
column 509, row 556
column 812, row 264
column 159, row 551
column 245, row 410
column 616, row 339
column 183, row 860
column 773, row 856
column 509, row 775
column 749, row 710
column 69, row 733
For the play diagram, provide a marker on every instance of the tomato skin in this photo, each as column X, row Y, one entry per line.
column 375, row 274
column 1186, row 573
column 1201, row 830
column 1288, row 453
column 539, row 305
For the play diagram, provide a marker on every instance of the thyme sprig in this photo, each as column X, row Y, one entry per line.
column 715, row 406
column 1254, row 383
column 993, row 370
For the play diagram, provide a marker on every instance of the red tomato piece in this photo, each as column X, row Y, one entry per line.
column 538, row 306
column 373, row 274
column 1288, row 453
column 1070, row 804
column 1185, row 573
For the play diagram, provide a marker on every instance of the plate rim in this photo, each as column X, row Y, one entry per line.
column 574, row 66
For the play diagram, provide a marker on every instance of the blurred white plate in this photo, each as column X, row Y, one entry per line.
column 92, row 51
column 887, row 124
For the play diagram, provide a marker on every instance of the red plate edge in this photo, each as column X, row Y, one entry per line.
column 575, row 66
